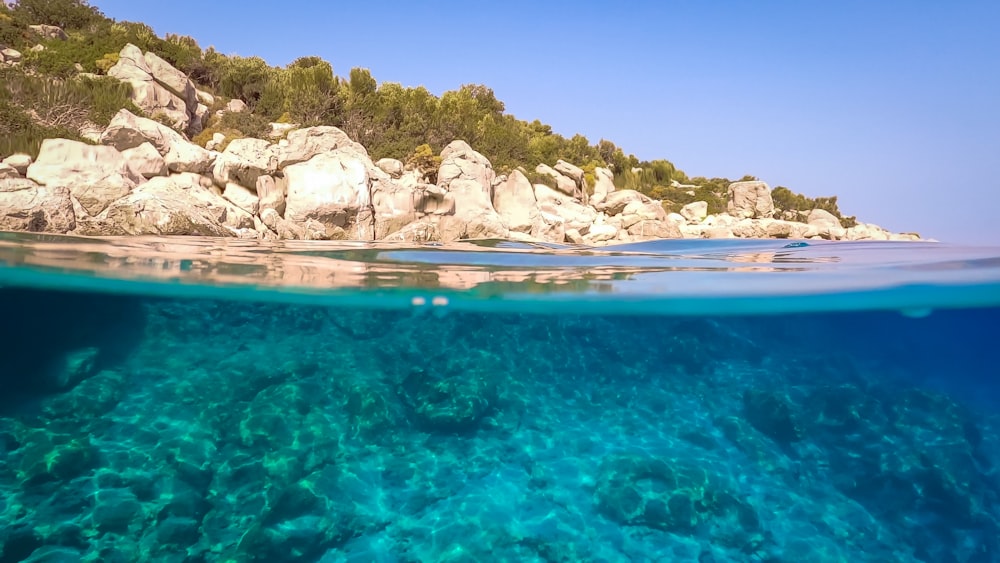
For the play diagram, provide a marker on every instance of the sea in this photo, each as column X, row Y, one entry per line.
column 218, row 400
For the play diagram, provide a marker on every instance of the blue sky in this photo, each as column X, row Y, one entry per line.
column 893, row 106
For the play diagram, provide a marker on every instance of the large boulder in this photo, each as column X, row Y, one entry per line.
column 395, row 205
column 564, row 184
column 575, row 173
column 460, row 162
column 173, row 80
column 514, row 200
column 145, row 160
column 19, row 162
column 604, row 184
column 95, row 175
column 332, row 188
column 157, row 87
column 26, row 206
column 271, row 193
column 823, row 219
column 178, row 205
column 391, row 166
column 695, row 212
column 474, row 216
column 557, row 206
column 750, row 200
column 616, row 202
column 243, row 161
column 303, row 144
column 127, row 131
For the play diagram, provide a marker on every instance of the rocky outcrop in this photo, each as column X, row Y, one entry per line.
column 695, row 212
column 460, row 162
column 243, row 161
column 145, row 160
column 127, row 131
column 303, row 144
column 332, row 188
column 49, row 31
column 26, row 206
column 159, row 89
column 8, row 172
column 96, row 176
column 750, row 200
column 391, row 166
column 178, row 205
column 318, row 184
column 561, row 183
column 604, row 184
column 515, row 202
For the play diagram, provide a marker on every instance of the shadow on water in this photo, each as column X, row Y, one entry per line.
column 51, row 340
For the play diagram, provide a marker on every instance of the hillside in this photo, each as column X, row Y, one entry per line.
column 59, row 88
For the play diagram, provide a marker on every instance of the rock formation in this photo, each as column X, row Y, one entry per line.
column 160, row 89
column 317, row 183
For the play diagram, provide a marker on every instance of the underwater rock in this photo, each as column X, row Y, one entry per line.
column 674, row 496
column 45, row 456
column 455, row 403
column 307, row 518
column 115, row 510
column 771, row 413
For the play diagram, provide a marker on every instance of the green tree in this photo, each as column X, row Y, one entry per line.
column 67, row 14
column 245, row 78
column 310, row 90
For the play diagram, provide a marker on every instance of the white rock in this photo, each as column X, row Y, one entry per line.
column 95, row 175
column 695, row 212
column 49, row 31
column 145, row 160
column 515, row 202
column 19, row 162
column 564, row 184
column 303, row 144
column 243, row 161
column 460, row 162
column 242, row 197
column 26, row 206
column 11, row 55
column 236, row 106
column 128, row 130
column 271, row 194
column 8, row 172
column 391, row 166
column 750, row 200
column 332, row 188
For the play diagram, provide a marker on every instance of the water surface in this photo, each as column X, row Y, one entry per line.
column 221, row 400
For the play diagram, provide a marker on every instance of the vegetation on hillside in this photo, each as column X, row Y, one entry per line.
column 391, row 120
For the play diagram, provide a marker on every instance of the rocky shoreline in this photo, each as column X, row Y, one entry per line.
column 145, row 178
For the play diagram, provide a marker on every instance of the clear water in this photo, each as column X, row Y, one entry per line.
column 210, row 400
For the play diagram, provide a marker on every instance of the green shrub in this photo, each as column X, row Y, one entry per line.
column 13, row 33
column 67, row 14
column 67, row 103
column 424, row 160
column 249, row 124
column 19, row 133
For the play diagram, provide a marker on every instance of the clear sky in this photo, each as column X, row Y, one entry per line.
column 894, row 106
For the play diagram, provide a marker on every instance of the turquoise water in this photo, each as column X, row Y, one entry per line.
column 210, row 400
